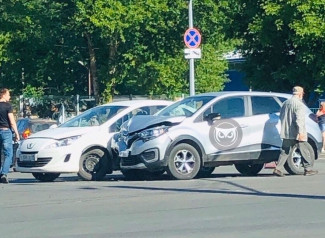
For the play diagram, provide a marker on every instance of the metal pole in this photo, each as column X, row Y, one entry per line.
column 190, row 14
column 190, row 23
column 78, row 107
column 89, row 83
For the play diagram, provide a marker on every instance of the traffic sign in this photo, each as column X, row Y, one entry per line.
column 192, row 38
column 192, row 53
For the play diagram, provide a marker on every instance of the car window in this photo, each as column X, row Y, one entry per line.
column 186, row 107
column 22, row 125
column 35, row 127
column 94, row 116
column 115, row 127
column 147, row 110
column 264, row 105
column 282, row 99
column 228, row 107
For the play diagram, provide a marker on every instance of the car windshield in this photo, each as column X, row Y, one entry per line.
column 186, row 107
column 94, row 116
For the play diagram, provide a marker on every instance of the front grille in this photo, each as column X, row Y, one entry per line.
column 130, row 161
column 39, row 163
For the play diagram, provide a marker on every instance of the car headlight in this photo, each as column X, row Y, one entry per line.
column 153, row 133
column 63, row 142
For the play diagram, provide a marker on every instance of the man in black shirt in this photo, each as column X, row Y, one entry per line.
column 7, row 123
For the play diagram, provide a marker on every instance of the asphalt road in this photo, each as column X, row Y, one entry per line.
column 224, row 205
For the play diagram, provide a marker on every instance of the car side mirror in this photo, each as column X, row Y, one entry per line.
column 212, row 116
column 53, row 126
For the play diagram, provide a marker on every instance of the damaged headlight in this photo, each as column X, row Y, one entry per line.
column 153, row 133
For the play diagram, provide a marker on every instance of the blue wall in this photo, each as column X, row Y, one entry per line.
column 236, row 81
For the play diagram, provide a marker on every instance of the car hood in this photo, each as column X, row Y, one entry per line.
column 63, row 132
column 139, row 123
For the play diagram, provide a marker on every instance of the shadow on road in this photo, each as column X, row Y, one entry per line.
column 250, row 192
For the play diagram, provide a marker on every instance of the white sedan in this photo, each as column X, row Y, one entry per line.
column 82, row 143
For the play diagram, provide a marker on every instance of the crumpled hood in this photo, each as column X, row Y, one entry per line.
column 139, row 123
column 63, row 132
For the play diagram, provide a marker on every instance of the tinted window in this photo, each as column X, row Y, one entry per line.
column 264, row 105
column 228, row 107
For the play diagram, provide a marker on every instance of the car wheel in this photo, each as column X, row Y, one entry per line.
column 91, row 159
column 249, row 169
column 46, row 177
column 184, row 162
column 205, row 172
column 294, row 162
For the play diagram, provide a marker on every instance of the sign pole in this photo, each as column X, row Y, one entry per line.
column 190, row 23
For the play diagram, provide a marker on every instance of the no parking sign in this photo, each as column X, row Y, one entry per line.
column 192, row 38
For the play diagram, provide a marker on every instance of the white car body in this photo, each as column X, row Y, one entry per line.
column 40, row 153
column 201, row 132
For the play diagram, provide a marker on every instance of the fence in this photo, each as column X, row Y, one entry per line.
column 61, row 108
column 51, row 107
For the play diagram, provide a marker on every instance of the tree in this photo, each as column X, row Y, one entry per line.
column 282, row 41
column 129, row 47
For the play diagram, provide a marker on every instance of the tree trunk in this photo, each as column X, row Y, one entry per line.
column 92, row 67
column 111, row 56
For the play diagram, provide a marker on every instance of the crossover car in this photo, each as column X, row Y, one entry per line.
column 80, row 144
column 191, row 137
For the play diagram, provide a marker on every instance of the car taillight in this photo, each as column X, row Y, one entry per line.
column 26, row 133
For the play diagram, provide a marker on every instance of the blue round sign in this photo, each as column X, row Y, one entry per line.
column 192, row 38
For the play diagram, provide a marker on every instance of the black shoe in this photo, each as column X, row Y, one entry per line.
column 310, row 172
column 278, row 173
column 4, row 179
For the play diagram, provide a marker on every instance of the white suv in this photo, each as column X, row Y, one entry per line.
column 191, row 137
column 81, row 145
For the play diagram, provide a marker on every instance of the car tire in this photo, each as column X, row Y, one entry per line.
column 249, row 169
column 95, row 158
column 294, row 162
column 205, row 172
column 46, row 177
column 184, row 162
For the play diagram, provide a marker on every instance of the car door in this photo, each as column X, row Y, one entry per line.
column 264, row 127
column 224, row 138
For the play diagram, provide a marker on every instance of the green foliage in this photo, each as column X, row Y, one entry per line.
column 211, row 71
column 283, row 42
column 33, row 92
column 138, row 46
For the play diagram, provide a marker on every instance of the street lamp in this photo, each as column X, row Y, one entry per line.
column 89, row 77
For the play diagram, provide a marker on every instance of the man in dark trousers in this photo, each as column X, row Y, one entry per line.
column 293, row 132
column 7, row 124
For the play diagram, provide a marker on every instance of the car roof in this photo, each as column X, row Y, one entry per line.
column 236, row 93
column 147, row 102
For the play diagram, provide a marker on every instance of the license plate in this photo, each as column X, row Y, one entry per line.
column 27, row 157
column 124, row 153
